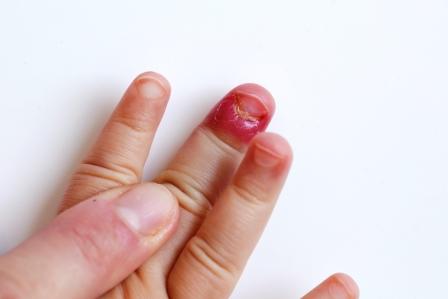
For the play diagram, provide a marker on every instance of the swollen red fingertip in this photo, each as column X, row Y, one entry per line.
column 244, row 112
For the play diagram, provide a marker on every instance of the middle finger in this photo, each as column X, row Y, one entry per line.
column 208, row 159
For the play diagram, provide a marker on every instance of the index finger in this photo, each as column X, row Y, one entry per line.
column 119, row 154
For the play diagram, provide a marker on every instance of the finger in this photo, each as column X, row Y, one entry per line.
column 214, row 258
column 85, row 251
column 208, row 159
column 337, row 286
column 118, row 156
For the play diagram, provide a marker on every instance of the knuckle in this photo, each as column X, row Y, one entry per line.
column 120, row 174
column 137, row 123
column 188, row 191
column 217, row 267
column 249, row 191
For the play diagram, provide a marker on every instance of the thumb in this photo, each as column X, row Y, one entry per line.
column 91, row 247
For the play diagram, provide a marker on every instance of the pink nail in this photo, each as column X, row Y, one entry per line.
column 146, row 208
column 152, row 86
column 265, row 157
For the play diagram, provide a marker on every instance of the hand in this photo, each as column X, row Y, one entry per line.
column 207, row 209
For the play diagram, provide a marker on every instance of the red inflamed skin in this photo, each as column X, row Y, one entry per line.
column 244, row 112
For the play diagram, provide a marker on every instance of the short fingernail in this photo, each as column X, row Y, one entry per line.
column 341, row 289
column 265, row 157
column 146, row 208
column 151, row 88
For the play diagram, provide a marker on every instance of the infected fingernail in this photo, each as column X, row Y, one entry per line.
column 146, row 208
column 264, row 157
column 249, row 108
column 151, row 88
column 242, row 113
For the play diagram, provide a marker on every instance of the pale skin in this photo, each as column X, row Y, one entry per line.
column 186, row 235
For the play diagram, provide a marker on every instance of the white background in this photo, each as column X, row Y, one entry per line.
column 362, row 94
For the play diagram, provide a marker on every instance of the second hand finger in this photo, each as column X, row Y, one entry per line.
column 337, row 286
column 118, row 156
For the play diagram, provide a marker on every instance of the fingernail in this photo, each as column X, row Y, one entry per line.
column 264, row 157
column 343, row 289
column 351, row 288
column 244, row 112
column 249, row 107
column 151, row 88
column 146, row 208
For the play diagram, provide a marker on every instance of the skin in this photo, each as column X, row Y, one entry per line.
column 203, row 215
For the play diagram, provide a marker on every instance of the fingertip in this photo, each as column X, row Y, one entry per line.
column 270, row 146
column 348, row 283
column 156, row 76
column 242, row 113
column 337, row 286
column 152, row 85
column 259, row 92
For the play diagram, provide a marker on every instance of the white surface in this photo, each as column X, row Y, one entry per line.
column 362, row 95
